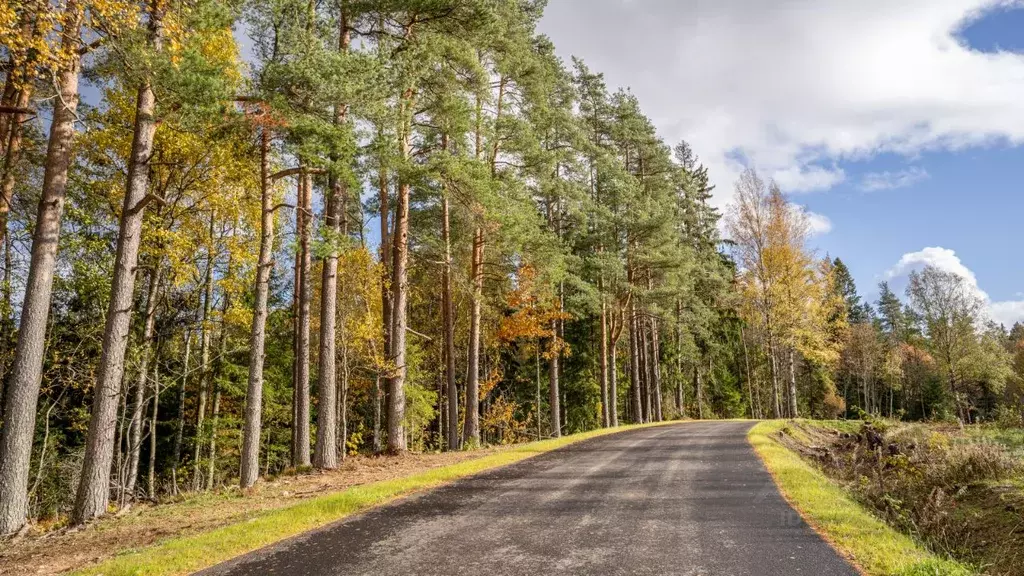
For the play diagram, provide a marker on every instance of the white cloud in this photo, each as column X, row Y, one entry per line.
column 939, row 257
column 874, row 181
column 1004, row 312
column 808, row 178
column 792, row 85
column 819, row 223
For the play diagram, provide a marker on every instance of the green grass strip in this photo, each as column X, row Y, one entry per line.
column 874, row 546
column 191, row 553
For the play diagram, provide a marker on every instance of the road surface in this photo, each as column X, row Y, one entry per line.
column 688, row 499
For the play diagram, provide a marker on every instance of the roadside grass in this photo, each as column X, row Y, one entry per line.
column 875, row 547
column 185, row 555
column 1011, row 438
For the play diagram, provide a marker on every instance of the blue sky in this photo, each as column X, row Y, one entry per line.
column 898, row 125
column 969, row 200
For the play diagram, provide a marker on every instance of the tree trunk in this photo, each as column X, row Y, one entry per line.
column 296, row 305
column 301, row 457
column 680, row 402
column 22, row 395
column 138, row 401
column 93, row 493
column 448, row 318
column 252, row 428
column 222, row 351
column 120, row 448
column 343, row 403
column 776, row 405
column 636, row 410
column 793, row 413
column 750, row 386
column 613, row 384
column 603, row 363
column 537, row 411
column 656, row 370
column 151, row 472
column 644, row 370
column 471, row 432
column 18, row 94
column 180, row 432
column 205, row 338
column 12, row 154
column 399, row 306
column 6, row 321
column 325, row 453
column 698, row 386
column 553, row 395
column 377, row 393
column 386, row 296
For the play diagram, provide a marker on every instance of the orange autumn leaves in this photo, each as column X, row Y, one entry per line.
column 534, row 315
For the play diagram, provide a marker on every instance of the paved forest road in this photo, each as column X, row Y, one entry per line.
column 689, row 499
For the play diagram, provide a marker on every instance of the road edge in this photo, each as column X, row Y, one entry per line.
column 873, row 547
column 188, row 554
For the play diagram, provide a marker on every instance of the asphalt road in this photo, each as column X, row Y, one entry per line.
column 689, row 499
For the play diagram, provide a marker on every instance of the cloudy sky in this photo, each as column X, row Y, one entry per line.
column 898, row 124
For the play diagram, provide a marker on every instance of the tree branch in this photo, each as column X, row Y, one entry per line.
column 293, row 171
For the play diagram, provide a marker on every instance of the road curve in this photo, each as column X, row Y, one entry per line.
column 690, row 499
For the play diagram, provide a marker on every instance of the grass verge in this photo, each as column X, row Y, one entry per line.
column 875, row 548
column 188, row 554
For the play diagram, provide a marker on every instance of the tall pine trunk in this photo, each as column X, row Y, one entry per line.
column 447, row 314
column 553, row 392
column 343, row 402
column 179, row 434
column 644, row 370
column 636, row 410
column 12, row 153
column 680, row 401
column 603, row 363
column 93, row 490
column 22, row 395
column 138, row 401
column 325, row 453
column 296, row 297
column 222, row 349
column 698, row 386
column 205, row 338
column 17, row 94
column 613, row 384
column 250, row 467
column 395, row 388
column 300, row 456
column 656, row 370
column 153, row 419
column 400, row 287
column 471, row 432
column 386, row 297
column 537, row 408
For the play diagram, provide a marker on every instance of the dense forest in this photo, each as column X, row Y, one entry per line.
column 247, row 237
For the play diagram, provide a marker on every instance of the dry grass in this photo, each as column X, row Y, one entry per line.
column 873, row 546
column 63, row 550
column 958, row 491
